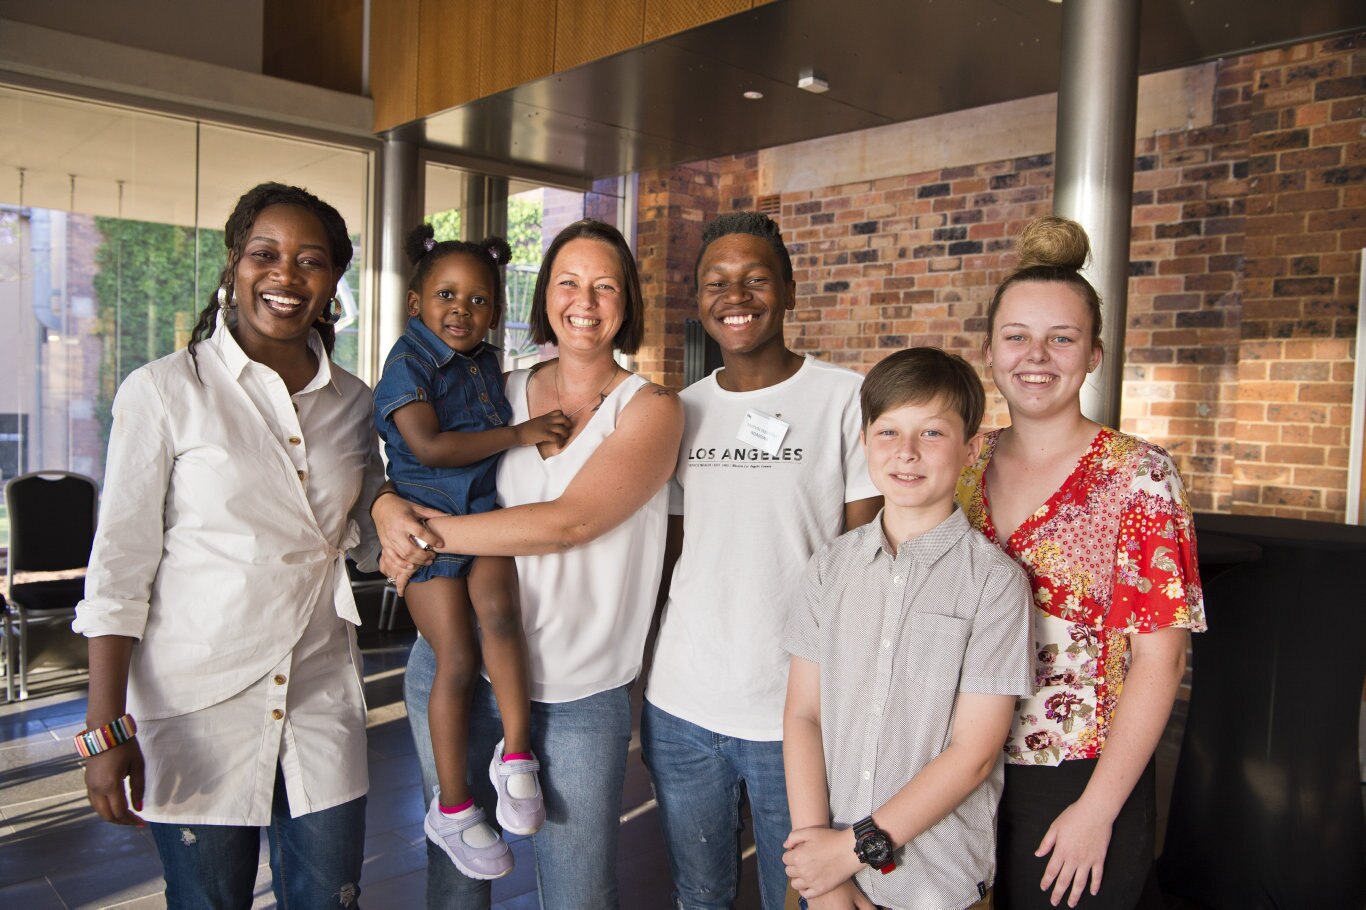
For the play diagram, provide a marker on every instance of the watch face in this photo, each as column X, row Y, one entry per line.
column 874, row 849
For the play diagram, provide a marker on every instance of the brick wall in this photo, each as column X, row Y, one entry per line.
column 674, row 204
column 1243, row 289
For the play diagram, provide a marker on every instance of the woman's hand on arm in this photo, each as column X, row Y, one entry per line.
column 628, row 468
column 105, row 772
column 1079, row 838
column 400, row 524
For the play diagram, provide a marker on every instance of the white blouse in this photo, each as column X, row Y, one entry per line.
column 227, row 510
column 585, row 611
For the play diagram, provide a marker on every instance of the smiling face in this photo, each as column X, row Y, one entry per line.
column 457, row 302
column 915, row 453
column 1041, row 349
column 741, row 295
column 283, row 279
column 585, row 298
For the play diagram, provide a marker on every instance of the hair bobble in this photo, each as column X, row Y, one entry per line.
column 493, row 254
column 429, row 244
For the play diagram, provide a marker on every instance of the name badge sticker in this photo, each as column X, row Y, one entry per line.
column 763, row 431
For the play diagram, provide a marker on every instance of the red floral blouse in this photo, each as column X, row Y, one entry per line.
column 1110, row 554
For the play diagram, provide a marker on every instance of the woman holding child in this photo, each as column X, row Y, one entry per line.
column 586, row 519
column 1100, row 523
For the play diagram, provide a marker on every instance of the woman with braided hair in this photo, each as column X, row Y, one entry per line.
column 217, row 607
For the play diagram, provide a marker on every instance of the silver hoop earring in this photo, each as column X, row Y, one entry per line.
column 225, row 301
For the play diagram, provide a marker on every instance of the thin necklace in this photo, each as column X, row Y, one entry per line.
column 601, row 396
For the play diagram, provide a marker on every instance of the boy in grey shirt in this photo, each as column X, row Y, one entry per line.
column 909, row 644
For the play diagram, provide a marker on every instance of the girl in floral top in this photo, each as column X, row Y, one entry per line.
column 1099, row 521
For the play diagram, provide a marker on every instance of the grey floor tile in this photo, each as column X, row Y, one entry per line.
column 49, row 752
column 390, row 774
column 391, row 740
column 21, row 730
column 116, row 880
column 56, row 835
column 54, row 777
column 147, row 902
column 397, row 809
column 388, row 856
column 33, row 894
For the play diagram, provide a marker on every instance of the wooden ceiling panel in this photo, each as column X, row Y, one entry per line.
column 517, row 42
column 669, row 17
column 589, row 31
column 393, row 66
column 448, row 47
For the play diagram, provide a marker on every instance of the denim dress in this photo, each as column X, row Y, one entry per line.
column 467, row 392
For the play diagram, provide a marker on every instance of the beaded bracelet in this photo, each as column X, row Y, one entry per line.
column 102, row 739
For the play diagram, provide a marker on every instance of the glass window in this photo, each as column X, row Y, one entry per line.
column 110, row 245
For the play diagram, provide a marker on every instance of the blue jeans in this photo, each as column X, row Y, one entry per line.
column 582, row 747
column 698, row 777
column 315, row 859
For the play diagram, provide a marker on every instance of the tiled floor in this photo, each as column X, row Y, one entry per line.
column 56, row 853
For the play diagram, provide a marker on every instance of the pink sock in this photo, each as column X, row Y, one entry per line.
column 452, row 810
column 517, row 756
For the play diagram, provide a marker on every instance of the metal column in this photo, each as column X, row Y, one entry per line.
column 400, row 211
column 1094, row 167
column 485, row 214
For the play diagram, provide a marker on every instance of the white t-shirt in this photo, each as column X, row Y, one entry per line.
column 585, row 611
column 750, row 523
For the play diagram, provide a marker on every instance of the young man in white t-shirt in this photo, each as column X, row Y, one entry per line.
column 769, row 471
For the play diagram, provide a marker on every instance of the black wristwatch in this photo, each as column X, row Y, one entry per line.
column 872, row 846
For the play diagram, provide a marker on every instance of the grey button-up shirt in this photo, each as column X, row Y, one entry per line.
column 898, row 636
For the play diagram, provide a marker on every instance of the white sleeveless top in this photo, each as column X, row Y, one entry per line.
column 585, row 611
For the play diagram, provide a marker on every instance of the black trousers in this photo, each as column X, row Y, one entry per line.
column 1034, row 796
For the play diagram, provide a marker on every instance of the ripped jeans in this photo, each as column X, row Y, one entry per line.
column 315, row 859
column 698, row 778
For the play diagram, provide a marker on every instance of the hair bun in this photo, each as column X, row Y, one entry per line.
column 419, row 242
column 497, row 248
column 1053, row 241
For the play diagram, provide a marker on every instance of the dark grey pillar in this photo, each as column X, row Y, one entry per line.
column 485, row 214
column 400, row 211
column 1094, row 167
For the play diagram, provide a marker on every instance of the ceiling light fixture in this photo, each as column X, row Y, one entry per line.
column 753, row 95
column 809, row 81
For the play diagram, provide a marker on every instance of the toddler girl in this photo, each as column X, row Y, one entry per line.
column 442, row 413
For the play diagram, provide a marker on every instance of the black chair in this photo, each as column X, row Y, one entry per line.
column 52, row 528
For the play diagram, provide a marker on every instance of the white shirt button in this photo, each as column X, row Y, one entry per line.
column 886, row 642
column 896, row 579
column 877, row 709
column 867, row 775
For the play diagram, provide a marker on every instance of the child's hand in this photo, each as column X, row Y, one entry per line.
column 553, row 427
column 818, row 860
column 845, row 897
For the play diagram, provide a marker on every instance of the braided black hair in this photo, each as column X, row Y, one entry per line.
column 424, row 251
column 238, row 228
